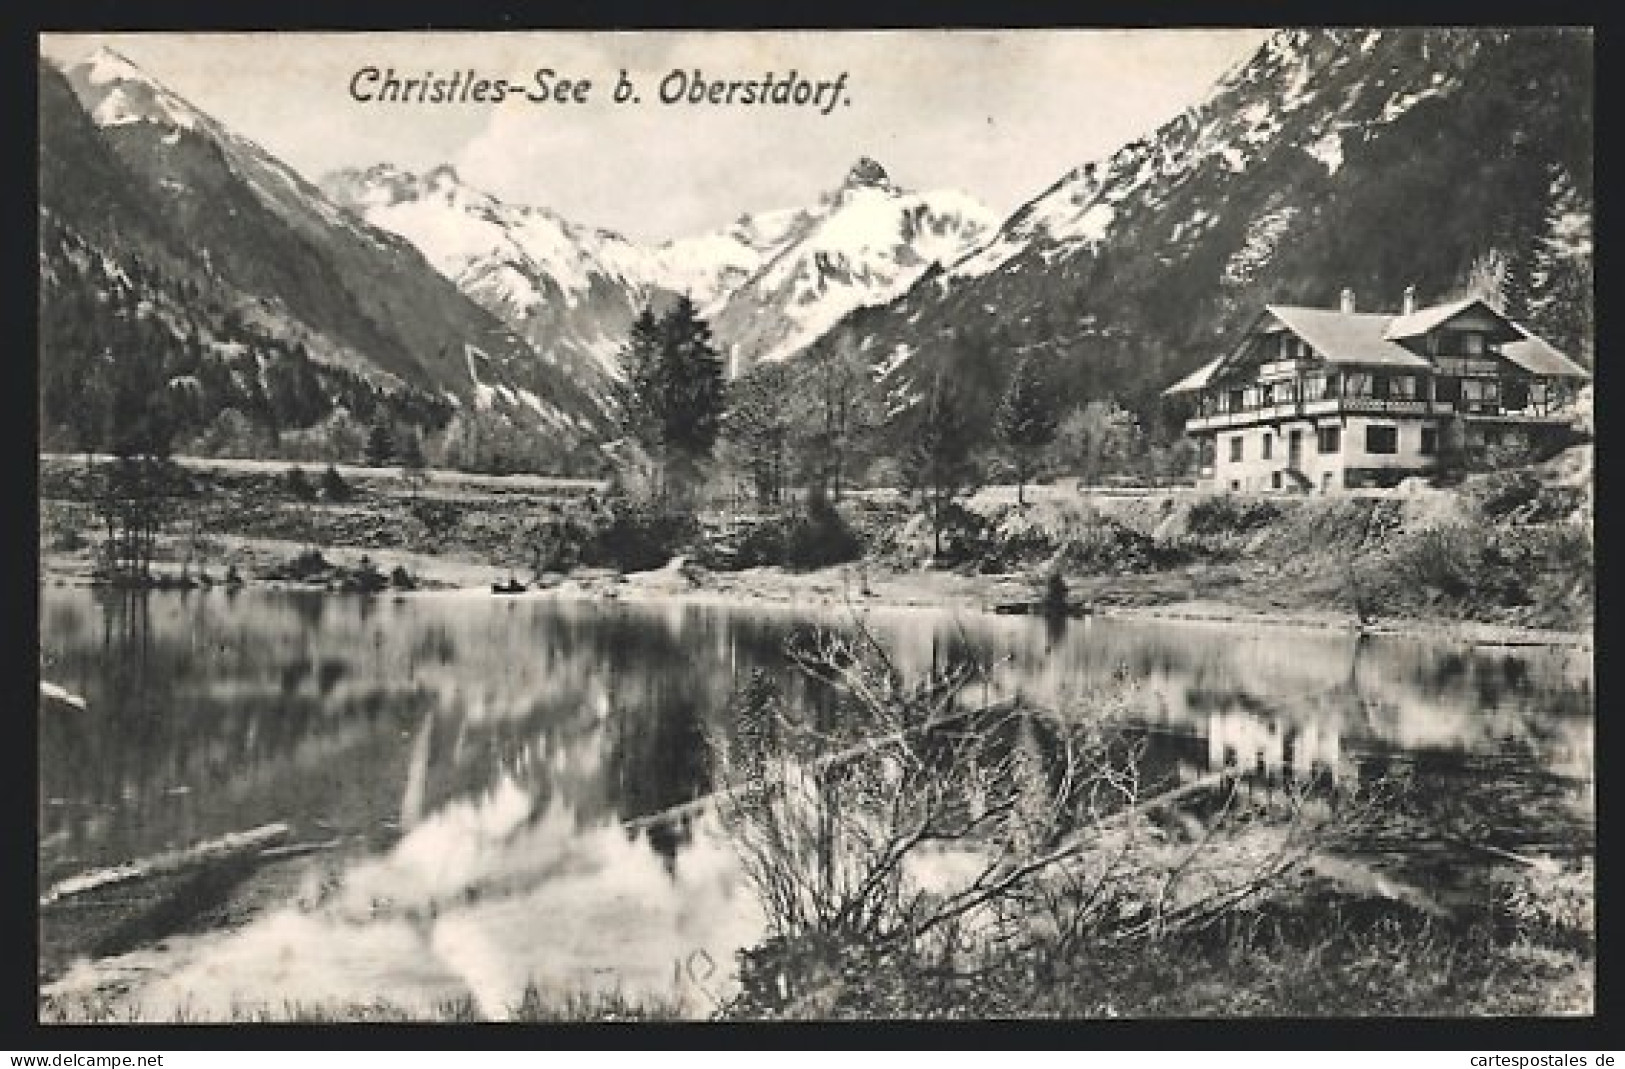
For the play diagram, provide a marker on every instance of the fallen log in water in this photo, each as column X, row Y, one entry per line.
column 58, row 693
column 273, row 853
column 226, row 846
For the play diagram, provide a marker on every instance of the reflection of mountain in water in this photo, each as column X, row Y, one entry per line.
column 478, row 757
column 358, row 716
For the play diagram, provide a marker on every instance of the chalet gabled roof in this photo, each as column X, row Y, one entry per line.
column 1539, row 357
column 1423, row 320
column 1370, row 339
column 1347, row 337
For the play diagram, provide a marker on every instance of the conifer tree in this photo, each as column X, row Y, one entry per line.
column 1027, row 419
column 938, row 461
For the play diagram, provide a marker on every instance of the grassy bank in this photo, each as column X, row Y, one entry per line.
column 1340, row 959
column 1512, row 549
column 1330, row 956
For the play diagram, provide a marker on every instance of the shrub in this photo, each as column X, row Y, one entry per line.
column 837, row 806
column 1445, row 559
column 966, row 535
column 1229, row 514
column 639, row 536
column 401, row 579
column 308, row 564
column 299, row 485
column 367, row 578
column 1109, row 546
column 1521, row 496
column 334, row 488
column 438, row 518
column 1551, row 907
column 761, row 544
column 559, row 544
column 820, row 536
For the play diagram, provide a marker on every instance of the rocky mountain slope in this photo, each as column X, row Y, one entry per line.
column 131, row 170
column 769, row 283
column 1331, row 158
column 863, row 245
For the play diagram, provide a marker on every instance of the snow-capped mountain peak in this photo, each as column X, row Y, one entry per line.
column 131, row 95
column 770, row 282
column 865, row 244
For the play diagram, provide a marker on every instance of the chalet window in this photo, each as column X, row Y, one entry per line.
column 1357, row 384
column 1269, row 444
column 1235, row 448
column 1314, row 387
column 1235, row 398
column 1472, row 343
column 1430, row 441
column 1402, row 387
column 1382, row 440
column 1275, row 480
column 1330, row 439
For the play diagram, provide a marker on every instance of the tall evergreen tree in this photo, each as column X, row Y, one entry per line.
column 380, row 445
column 636, row 396
column 691, row 382
column 837, row 412
column 672, row 397
column 1027, row 419
column 938, row 461
column 758, row 424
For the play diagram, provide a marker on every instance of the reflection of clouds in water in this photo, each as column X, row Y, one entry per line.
column 449, row 849
column 567, row 910
column 548, row 718
column 613, row 918
column 289, row 958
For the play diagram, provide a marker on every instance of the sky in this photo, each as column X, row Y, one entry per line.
column 1000, row 115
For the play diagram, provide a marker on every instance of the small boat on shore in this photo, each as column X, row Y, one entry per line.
column 512, row 586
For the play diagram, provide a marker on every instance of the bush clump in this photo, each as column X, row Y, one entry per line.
column 1223, row 514
column 820, row 536
column 639, row 536
column 1108, row 546
column 299, row 485
column 812, row 538
column 1522, row 497
column 334, row 488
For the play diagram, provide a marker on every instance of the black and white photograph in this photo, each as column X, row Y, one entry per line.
column 816, row 525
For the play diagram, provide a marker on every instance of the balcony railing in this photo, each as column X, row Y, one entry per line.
column 1332, row 406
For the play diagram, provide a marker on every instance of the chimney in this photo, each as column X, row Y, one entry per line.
column 1348, row 300
column 1409, row 305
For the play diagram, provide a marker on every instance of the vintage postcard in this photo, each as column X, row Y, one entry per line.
column 734, row 526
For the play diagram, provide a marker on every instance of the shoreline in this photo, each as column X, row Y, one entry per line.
column 860, row 587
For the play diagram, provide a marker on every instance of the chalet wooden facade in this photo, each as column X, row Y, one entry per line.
column 1322, row 399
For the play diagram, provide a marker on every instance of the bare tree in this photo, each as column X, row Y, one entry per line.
column 902, row 815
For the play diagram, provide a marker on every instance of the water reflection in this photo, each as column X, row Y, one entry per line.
column 478, row 758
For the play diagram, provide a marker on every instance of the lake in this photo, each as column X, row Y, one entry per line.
column 464, row 766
